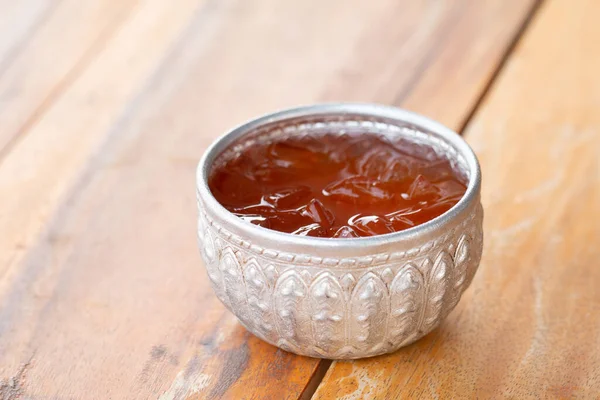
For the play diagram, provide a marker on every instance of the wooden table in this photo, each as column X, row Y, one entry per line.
column 106, row 106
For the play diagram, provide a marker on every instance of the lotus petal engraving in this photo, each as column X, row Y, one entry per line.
column 369, row 304
column 233, row 281
column 337, row 300
column 459, row 272
column 322, row 311
column 348, row 282
column 327, row 305
column 259, row 297
column 463, row 252
column 436, row 290
column 407, row 293
column 212, row 267
column 271, row 274
column 290, row 306
column 209, row 247
column 387, row 275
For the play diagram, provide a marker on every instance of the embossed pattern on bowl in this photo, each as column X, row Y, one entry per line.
column 341, row 298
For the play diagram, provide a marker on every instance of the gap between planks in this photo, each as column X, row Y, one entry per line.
column 324, row 365
column 319, row 372
column 511, row 47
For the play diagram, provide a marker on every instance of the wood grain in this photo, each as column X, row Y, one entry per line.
column 102, row 294
column 69, row 37
column 19, row 20
column 37, row 174
column 529, row 327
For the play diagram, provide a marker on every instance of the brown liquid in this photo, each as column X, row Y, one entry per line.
column 337, row 185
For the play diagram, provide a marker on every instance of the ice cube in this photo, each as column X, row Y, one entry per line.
column 345, row 232
column 421, row 188
column 318, row 213
column 357, row 190
column 288, row 198
column 311, row 230
column 369, row 225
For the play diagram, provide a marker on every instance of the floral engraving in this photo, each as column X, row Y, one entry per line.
column 407, row 294
column 259, row 297
column 369, row 303
column 290, row 301
column 436, row 289
column 459, row 272
column 327, row 310
column 341, row 307
column 463, row 252
column 233, row 282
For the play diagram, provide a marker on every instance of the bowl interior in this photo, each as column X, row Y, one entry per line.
column 341, row 119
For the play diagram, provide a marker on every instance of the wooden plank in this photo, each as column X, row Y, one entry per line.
column 529, row 326
column 36, row 176
column 18, row 22
column 63, row 43
column 101, row 289
column 50, row 157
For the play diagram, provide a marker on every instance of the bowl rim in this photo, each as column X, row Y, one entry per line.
column 363, row 109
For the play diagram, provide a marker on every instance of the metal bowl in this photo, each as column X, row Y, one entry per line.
column 341, row 298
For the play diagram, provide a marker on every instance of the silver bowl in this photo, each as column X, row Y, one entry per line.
column 341, row 298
